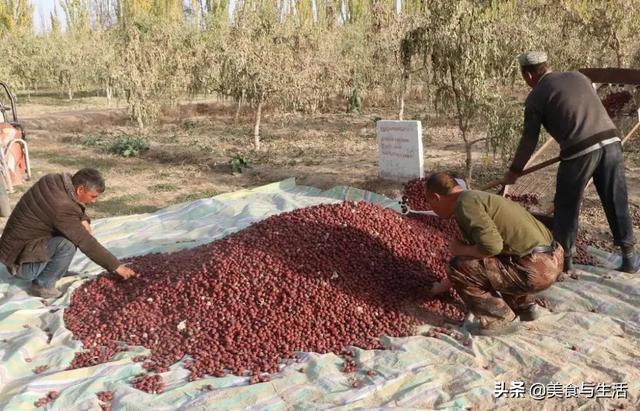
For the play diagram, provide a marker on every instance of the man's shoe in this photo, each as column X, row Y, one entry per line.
column 529, row 313
column 498, row 327
column 47, row 293
column 470, row 323
column 630, row 264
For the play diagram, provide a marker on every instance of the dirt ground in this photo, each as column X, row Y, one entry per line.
column 191, row 147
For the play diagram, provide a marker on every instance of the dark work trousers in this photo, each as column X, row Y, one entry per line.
column 606, row 166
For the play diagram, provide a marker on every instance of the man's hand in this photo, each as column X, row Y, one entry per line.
column 457, row 247
column 125, row 272
column 86, row 225
column 510, row 177
column 439, row 288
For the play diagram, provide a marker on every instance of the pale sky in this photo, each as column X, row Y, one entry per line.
column 42, row 10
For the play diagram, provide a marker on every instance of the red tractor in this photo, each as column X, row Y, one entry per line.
column 14, row 152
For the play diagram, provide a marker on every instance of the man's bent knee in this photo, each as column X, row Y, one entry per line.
column 453, row 263
column 453, row 269
column 462, row 270
column 463, row 264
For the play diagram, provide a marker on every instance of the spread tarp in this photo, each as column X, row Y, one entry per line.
column 591, row 335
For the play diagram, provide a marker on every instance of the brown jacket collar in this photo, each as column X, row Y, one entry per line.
column 71, row 190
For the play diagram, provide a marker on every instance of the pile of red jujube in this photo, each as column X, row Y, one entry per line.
column 316, row 279
column 413, row 195
column 150, row 383
column 615, row 102
column 525, row 200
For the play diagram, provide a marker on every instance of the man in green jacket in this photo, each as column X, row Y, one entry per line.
column 504, row 258
column 48, row 224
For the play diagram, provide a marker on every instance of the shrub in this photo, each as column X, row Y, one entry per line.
column 129, row 146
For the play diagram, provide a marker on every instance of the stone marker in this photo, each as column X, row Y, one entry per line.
column 400, row 150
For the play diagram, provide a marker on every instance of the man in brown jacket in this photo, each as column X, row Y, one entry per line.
column 48, row 224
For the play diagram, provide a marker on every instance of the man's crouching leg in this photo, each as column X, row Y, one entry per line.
column 61, row 252
column 471, row 278
column 532, row 274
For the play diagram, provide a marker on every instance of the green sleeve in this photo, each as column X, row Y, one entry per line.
column 478, row 226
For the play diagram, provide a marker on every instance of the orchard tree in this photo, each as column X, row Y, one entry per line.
column 504, row 127
column 462, row 36
column 104, row 13
column 214, row 9
column 16, row 15
column 413, row 46
column 103, row 53
column 69, row 61
column 56, row 24
column 327, row 11
column 77, row 15
column 155, row 66
column 168, row 10
column 390, row 51
column 27, row 58
column 254, row 59
column 128, row 11
column 610, row 28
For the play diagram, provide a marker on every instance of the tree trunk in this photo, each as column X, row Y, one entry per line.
column 70, row 93
column 256, row 129
column 468, row 163
column 109, row 93
column 617, row 47
column 138, row 116
column 238, row 107
column 406, row 85
column 463, row 125
column 619, row 56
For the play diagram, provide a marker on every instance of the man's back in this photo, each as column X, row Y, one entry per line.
column 498, row 225
column 570, row 110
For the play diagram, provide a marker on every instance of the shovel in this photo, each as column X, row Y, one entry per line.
column 544, row 218
column 404, row 208
column 549, row 162
column 529, row 170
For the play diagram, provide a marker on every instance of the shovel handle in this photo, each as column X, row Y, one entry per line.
column 492, row 184
column 529, row 170
column 554, row 160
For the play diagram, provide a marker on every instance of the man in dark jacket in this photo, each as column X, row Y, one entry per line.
column 48, row 224
column 568, row 107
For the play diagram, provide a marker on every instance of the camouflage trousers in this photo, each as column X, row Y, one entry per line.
column 497, row 288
